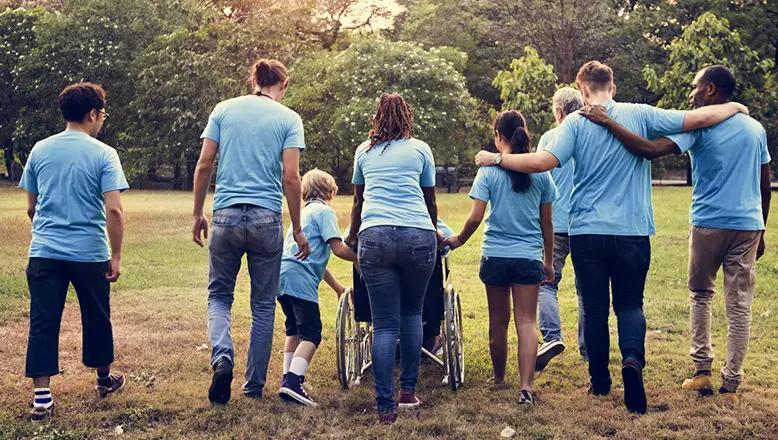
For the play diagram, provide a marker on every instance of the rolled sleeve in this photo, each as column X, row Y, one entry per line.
column 328, row 225
column 764, row 152
column 427, row 178
column 112, row 177
column 550, row 191
column 213, row 128
column 684, row 141
column 357, row 178
column 295, row 135
column 480, row 189
column 663, row 122
column 563, row 145
column 29, row 180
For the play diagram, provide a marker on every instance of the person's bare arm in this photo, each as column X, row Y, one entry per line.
column 356, row 215
column 333, row 282
column 342, row 251
column 114, row 221
column 474, row 220
column 547, row 228
column 32, row 201
column 523, row 163
column 294, row 199
column 765, row 187
column 711, row 115
column 431, row 203
column 636, row 144
column 202, row 178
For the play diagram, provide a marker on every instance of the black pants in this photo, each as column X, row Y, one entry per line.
column 605, row 263
column 303, row 318
column 432, row 312
column 48, row 281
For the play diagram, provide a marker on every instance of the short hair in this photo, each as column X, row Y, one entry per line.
column 318, row 185
column 267, row 73
column 77, row 100
column 567, row 99
column 595, row 75
column 721, row 77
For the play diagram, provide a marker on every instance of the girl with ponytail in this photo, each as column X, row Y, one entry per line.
column 517, row 248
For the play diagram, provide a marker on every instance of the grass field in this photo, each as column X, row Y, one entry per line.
column 158, row 309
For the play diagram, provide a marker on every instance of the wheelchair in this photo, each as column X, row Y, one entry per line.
column 354, row 332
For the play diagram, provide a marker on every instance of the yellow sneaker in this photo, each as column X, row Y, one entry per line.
column 700, row 383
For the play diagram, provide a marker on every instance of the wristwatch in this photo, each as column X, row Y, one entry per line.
column 498, row 159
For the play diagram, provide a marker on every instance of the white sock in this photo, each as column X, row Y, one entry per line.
column 299, row 366
column 288, row 355
column 43, row 398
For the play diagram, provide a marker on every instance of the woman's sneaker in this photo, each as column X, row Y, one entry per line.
column 408, row 399
column 115, row 384
column 292, row 390
column 41, row 414
column 548, row 351
column 387, row 417
column 526, row 398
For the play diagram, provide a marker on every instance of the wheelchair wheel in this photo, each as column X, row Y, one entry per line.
column 348, row 341
column 454, row 347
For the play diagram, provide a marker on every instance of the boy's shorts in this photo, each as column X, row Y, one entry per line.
column 302, row 318
column 498, row 271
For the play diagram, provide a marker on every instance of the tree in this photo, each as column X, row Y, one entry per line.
column 336, row 96
column 528, row 86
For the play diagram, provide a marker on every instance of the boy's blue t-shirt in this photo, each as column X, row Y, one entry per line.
column 393, row 176
column 611, row 186
column 70, row 172
column 726, row 173
column 301, row 279
column 513, row 226
column 252, row 132
column 563, row 178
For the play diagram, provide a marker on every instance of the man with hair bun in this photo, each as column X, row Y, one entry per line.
column 611, row 218
column 258, row 141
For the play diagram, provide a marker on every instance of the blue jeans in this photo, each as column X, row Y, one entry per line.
column 258, row 233
column 548, row 304
column 605, row 263
column 396, row 265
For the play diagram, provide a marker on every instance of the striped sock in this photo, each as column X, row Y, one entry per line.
column 43, row 398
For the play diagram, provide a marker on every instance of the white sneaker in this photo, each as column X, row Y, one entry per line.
column 548, row 351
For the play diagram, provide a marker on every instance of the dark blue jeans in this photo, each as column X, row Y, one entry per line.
column 606, row 264
column 396, row 265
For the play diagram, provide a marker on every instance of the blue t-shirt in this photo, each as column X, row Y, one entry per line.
column 726, row 173
column 611, row 186
column 563, row 178
column 252, row 132
column 70, row 172
column 513, row 225
column 301, row 279
column 393, row 178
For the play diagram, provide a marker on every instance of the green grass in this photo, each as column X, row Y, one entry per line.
column 158, row 309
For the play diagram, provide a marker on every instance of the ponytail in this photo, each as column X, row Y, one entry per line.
column 512, row 126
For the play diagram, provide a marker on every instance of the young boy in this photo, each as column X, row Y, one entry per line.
column 299, row 284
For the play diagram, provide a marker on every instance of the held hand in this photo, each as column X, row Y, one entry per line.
column 485, row 159
column 441, row 237
column 303, row 248
column 199, row 229
column 597, row 114
column 452, row 242
column 114, row 269
column 351, row 241
column 548, row 268
column 340, row 291
column 760, row 249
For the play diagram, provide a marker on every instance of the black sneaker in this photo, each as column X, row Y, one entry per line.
column 548, row 351
column 219, row 392
column 292, row 390
column 634, row 391
column 526, row 398
column 115, row 383
column 40, row 414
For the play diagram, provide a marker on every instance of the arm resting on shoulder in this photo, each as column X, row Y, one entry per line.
column 529, row 162
column 711, row 115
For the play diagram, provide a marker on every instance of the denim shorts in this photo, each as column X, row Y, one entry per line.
column 499, row 271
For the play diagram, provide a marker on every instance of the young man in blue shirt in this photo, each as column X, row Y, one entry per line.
column 730, row 204
column 74, row 184
column 611, row 218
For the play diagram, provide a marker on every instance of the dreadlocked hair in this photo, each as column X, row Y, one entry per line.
column 393, row 120
column 512, row 126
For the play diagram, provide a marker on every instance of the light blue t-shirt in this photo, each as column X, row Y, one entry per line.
column 513, row 225
column 726, row 173
column 301, row 279
column 70, row 172
column 252, row 132
column 393, row 178
column 563, row 178
column 611, row 186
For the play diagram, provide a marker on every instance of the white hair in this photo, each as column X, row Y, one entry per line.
column 568, row 100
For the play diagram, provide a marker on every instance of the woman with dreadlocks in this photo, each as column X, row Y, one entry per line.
column 392, row 222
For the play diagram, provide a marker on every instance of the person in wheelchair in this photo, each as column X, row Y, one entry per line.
column 299, row 282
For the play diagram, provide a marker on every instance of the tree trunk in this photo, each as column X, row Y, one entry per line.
column 177, row 175
column 191, row 164
column 8, row 154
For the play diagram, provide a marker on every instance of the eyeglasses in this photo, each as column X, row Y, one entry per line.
column 105, row 114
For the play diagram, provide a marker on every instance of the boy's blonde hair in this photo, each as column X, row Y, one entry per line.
column 318, row 185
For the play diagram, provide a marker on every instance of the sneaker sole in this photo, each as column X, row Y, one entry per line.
column 634, row 390
column 219, row 392
column 409, row 405
column 290, row 396
column 544, row 358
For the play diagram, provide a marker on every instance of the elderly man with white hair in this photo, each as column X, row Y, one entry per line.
column 565, row 101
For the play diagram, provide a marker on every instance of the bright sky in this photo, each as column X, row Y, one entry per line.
column 361, row 11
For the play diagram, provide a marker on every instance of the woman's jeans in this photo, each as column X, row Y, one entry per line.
column 396, row 265
column 258, row 233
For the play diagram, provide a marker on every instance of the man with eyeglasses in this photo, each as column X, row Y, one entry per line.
column 74, row 184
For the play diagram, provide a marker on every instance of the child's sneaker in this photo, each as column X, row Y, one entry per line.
column 112, row 386
column 408, row 399
column 41, row 414
column 292, row 390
